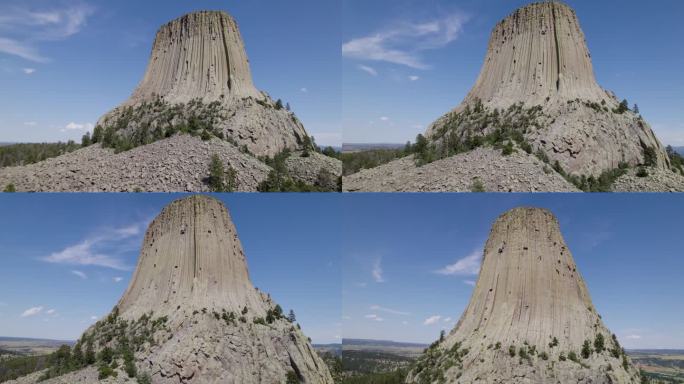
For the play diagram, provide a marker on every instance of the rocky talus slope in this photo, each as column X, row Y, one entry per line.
column 192, row 315
column 530, row 318
column 177, row 164
column 486, row 167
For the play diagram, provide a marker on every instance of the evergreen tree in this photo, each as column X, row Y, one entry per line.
column 90, row 353
column 85, row 140
column 441, row 335
column 98, row 134
column 636, row 109
column 216, row 175
column 586, row 349
column 599, row 343
column 279, row 104
column 291, row 316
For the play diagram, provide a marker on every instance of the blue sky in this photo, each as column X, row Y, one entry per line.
column 407, row 62
column 48, row 290
column 628, row 248
column 64, row 63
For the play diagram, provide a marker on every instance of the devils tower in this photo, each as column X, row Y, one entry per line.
column 536, row 97
column 530, row 318
column 196, row 101
column 191, row 314
column 198, row 69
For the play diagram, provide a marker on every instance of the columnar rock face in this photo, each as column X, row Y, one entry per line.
column 192, row 315
column 537, row 56
column 198, row 78
column 529, row 317
column 191, row 256
column 200, row 55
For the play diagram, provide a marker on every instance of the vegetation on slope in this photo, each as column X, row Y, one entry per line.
column 30, row 153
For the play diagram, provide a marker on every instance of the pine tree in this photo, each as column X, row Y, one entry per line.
column 85, row 140
column 291, row 316
column 636, row 109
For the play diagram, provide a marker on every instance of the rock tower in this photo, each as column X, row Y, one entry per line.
column 192, row 313
column 198, row 77
column 530, row 318
column 537, row 57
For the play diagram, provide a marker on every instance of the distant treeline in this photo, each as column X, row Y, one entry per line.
column 29, row 153
column 15, row 367
column 396, row 377
column 353, row 162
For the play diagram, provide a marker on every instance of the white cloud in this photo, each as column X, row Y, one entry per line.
column 388, row 310
column 377, row 271
column 30, row 123
column 80, row 274
column 384, row 118
column 100, row 250
column 93, row 317
column 374, row 317
column 72, row 126
column 469, row 282
column 432, row 320
column 370, row 70
column 469, row 265
column 304, row 90
column 402, row 43
column 50, row 312
column 15, row 48
column 117, row 279
column 28, row 71
column 447, row 319
column 633, row 337
column 32, row 311
column 414, row 78
column 29, row 26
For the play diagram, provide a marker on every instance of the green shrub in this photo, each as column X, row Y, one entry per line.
column 586, row 349
column 477, row 186
column 642, row 172
column 573, row 356
column 292, row 378
column 511, row 350
column 544, row 355
column 105, row 371
column 553, row 343
column 10, row 188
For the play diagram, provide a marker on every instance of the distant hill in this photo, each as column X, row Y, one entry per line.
column 679, row 150
column 360, row 147
column 382, row 343
column 28, row 346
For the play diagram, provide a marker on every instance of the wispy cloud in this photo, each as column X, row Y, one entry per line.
column 388, row 310
column 369, row 70
column 102, row 250
column 73, row 126
column 432, row 320
column 117, row 279
column 469, row 265
column 22, row 28
column 51, row 312
column 384, row 118
column 377, row 271
column 33, row 311
column 30, row 123
column 80, row 274
column 414, row 78
column 28, row 71
column 304, row 90
column 633, row 337
column 469, row 282
column 403, row 43
column 374, row 317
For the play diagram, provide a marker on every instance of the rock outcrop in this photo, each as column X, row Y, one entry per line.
column 191, row 314
column 530, row 318
column 538, row 56
column 199, row 60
